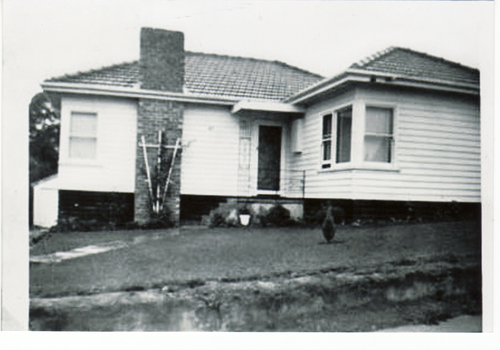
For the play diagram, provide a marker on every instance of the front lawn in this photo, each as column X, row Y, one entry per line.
column 156, row 258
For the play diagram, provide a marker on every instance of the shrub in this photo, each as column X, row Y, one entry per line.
column 76, row 224
column 158, row 220
column 72, row 224
column 226, row 215
column 276, row 216
column 216, row 219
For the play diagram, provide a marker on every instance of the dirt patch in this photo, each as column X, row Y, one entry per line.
column 326, row 301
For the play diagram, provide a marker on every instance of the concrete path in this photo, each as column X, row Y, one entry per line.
column 57, row 257
column 77, row 252
column 458, row 324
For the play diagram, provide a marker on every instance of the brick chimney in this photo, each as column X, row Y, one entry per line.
column 162, row 60
column 161, row 68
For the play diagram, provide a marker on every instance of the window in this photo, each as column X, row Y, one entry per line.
column 327, row 140
column 378, row 134
column 342, row 150
column 344, row 123
column 296, row 135
column 83, row 136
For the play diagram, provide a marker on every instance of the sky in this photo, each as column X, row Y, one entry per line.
column 44, row 39
column 48, row 38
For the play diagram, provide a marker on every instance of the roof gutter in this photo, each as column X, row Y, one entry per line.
column 323, row 87
column 359, row 75
column 270, row 106
column 116, row 91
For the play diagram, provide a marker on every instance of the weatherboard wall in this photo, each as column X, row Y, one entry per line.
column 436, row 149
column 113, row 169
column 220, row 153
column 209, row 151
column 320, row 183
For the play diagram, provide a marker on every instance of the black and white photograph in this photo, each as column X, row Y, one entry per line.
column 265, row 167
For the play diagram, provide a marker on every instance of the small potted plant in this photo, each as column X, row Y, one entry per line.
column 244, row 216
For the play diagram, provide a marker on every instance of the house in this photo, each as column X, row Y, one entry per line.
column 184, row 131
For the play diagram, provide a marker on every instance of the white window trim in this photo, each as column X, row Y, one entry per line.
column 392, row 165
column 333, row 145
column 65, row 158
column 357, row 161
column 333, row 139
column 337, row 132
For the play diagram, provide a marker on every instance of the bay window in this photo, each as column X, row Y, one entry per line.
column 373, row 138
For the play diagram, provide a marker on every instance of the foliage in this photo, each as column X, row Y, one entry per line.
column 44, row 126
column 158, row 220
column 216, row 218
column 111, row 214
column 276, row 216
column 226, row 215
column 76, row 224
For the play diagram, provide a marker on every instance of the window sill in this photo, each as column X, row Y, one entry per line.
column 368, row 166
column 80, row 162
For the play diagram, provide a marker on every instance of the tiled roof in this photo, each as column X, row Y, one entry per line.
column 213, row 75
column 409, row 63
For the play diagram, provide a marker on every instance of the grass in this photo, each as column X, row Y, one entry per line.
column 157, row 258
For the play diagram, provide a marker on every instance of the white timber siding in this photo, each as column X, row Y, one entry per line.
column 210, row 141
column 436, row 150
column 220, row 152
column 113, row 168
column 45, row 202
column 321, row 183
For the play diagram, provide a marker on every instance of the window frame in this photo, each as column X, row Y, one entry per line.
column 332, row 163
column 391, row 136
column 337, row 133
column 327, row 163
column 357, row 161
column 81, row 135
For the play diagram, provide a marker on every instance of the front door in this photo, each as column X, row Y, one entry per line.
column 268, row 178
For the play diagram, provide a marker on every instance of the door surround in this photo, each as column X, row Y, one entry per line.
column 255, row 154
